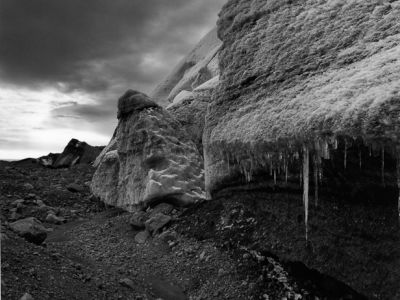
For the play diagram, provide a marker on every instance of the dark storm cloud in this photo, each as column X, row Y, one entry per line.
column 69, row 61
column 89, row 112
column 95, row 45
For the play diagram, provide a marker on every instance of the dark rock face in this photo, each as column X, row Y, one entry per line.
column 48, row 160
column 154, row 160
column 77, row 152
column 304, row 107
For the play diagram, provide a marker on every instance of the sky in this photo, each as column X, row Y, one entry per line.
column 64, row 64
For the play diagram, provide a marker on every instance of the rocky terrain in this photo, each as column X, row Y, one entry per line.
column 96, row 252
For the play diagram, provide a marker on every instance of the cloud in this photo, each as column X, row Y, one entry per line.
column 93, row 45
column 63, row 64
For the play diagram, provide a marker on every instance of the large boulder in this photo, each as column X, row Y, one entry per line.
column 154, row 161
column 199, row 66
column 76, row 152
column 31, row 229
column 310, row 89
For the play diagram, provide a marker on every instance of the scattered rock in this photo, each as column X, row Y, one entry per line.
column 27, row 296
column 164, row 208
column 52, row 218
column 30, row 196
column 168, row 236
column 221, row 272
column 126, row 282
column 40, row 203
column 75, row 188
column 142, row 237
column 157, row 222
column 138, row 220
column 3, row 237
column 28, row 186
column 31, row 229
column 18, row 202
column 14, row 216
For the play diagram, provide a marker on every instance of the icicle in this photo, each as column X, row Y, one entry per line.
column 398, row 181
column 316, row 171
column 335, row 144
column 286, row 172
column 306, row 163
column 345, row 154
column 301, row 177
column 360, row 158
column 274, row 176
column 383, row 165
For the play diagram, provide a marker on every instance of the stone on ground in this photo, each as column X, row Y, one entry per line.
column 138, row 220
column 157, row 222
column 75, row 188
column 31, row 229
column 52, row 218
column 27, row 296
column 126, row 282
column 142, row 237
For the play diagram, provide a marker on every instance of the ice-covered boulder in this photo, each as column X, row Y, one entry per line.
column 154, row 159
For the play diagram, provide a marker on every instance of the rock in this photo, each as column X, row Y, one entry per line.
column 39, row 203
column 77, row 152
column 15, row 216
column 126, row 282
column 31, row 229
column 138, row 220
column 75, row 188
column 164, row 208
column 27, row 296
column 157, row 222
column 52, row 218
column 155, row 160
column 18, row 202
column 199, row 66
column 49, row 159
column 168, row 236
column 28, row 186
column 30, row 196
column 3, row 237
column 142, row 237
column 221, row 272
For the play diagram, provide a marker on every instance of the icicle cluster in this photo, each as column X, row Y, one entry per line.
column 248, row 160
